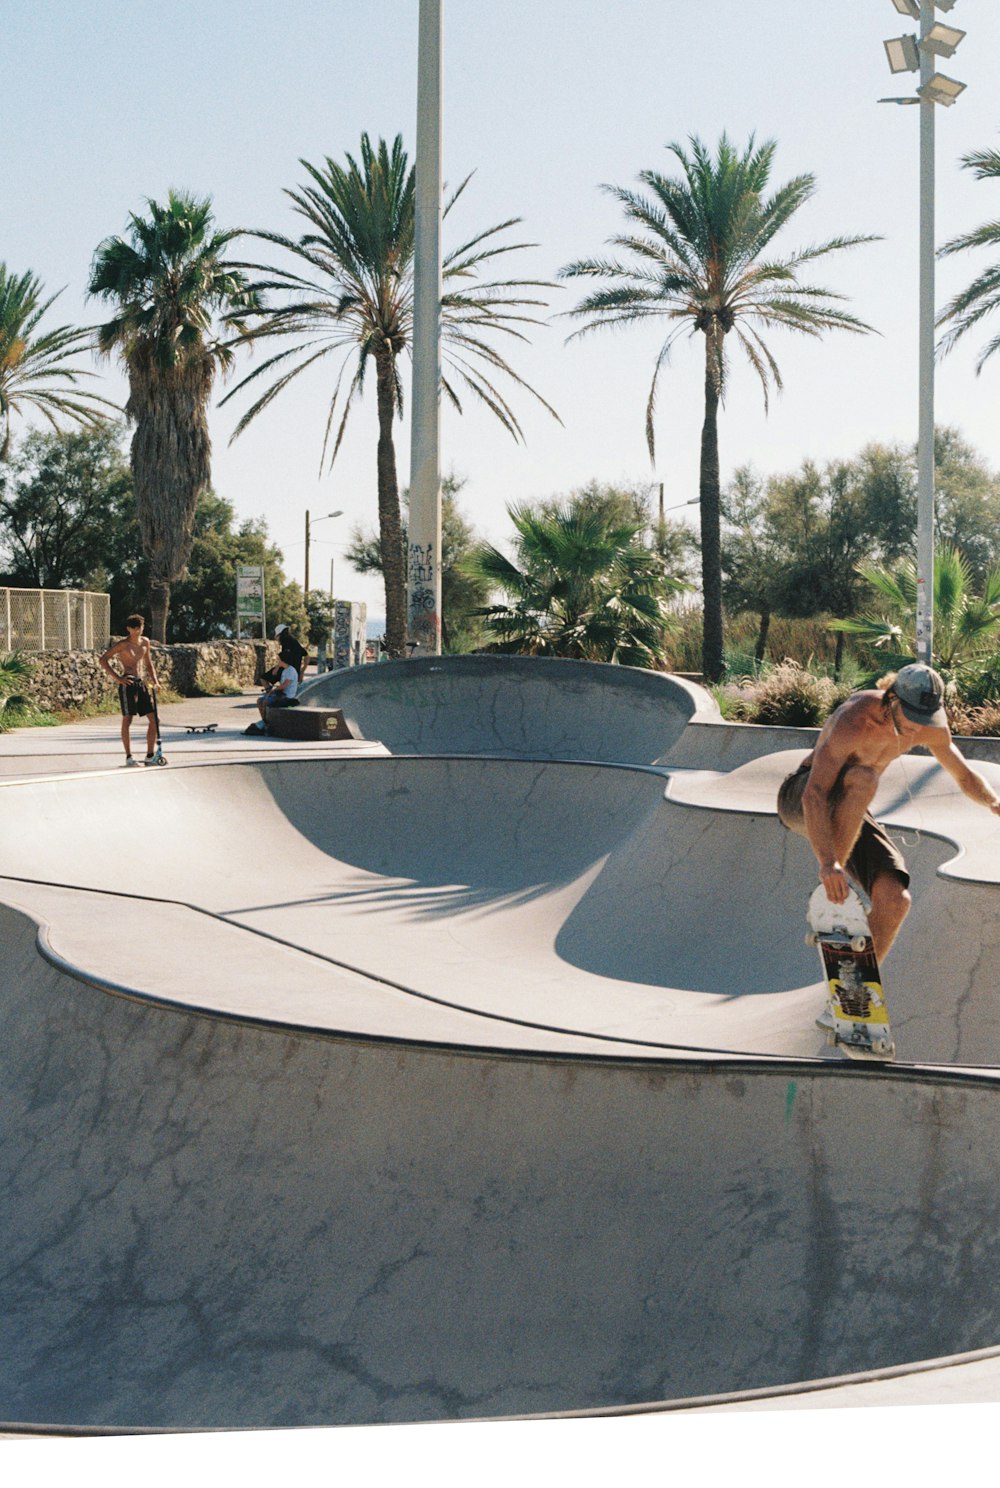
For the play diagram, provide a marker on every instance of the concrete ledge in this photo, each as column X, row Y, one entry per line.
column 308, row 723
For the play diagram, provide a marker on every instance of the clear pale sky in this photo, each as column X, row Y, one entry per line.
column 106, row 103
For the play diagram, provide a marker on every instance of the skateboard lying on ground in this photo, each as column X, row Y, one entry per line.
column 856, row 1019
column 199, row 728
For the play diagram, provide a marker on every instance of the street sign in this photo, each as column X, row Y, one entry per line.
column 249, row 595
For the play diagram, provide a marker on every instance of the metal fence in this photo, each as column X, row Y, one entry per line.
column 54, row 620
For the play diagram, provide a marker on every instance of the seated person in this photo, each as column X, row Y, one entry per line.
column 280, row 694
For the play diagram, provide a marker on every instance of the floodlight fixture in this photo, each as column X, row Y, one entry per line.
column 941, row 89
column 941, row 39
column 903, row 54
column 909, row 8
column 946, row 5
column 911, row 99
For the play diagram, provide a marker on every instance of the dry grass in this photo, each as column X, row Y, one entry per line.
column 982, row 722
column 807, row 641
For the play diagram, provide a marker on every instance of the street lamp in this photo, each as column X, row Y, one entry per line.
column 309, row 526
column 907, row 54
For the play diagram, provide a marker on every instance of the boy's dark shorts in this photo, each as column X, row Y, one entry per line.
column 874, row 852
column 134, row 699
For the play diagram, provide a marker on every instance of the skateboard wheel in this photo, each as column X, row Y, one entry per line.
column 812, row 938
column 858, row 943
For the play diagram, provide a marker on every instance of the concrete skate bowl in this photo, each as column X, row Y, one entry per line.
column 350, row 1091
column 525, row 707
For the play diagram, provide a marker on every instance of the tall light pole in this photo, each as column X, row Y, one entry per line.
column 309, row 527
column 908, row 54
column 424, row 539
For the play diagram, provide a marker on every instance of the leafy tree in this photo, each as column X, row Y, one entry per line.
column 754, row 554
column 462, row 594
column 792, row 544
column 981, row 298
column 354, row 295
column 37, row 370
column 319, row 616
column 967, row 505
column 696, row 258
column 62, row 498
column 204, row 599
column 584, row 585
column 169, row 284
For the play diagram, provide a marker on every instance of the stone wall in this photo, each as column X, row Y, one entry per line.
column 73, row 679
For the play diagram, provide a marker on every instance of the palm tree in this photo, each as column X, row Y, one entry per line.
column 966, row 624
column 982, row 296
column 169, row 283
column 355, row 296
column 36, row 370
column 696, row 259
column 584, row 586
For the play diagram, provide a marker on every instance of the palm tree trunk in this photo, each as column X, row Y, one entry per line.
column 159, row 608
column 390, row 525
column 711, row 522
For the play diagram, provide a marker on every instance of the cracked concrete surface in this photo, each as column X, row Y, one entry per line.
column 367, row 1089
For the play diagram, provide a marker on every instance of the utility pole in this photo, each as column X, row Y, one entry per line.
column 925, row 424
column 424, row 540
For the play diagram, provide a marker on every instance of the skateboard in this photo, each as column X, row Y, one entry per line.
column 199, row 728
column 856, row 1018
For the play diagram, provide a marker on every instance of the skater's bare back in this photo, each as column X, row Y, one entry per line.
column 870, row 730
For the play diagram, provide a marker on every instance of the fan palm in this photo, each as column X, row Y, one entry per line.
column 355, row 296
column 583, row 587
column 170, row 286
column 696, row 258
column 982, row 297
column 36, row 369
column 966, row 624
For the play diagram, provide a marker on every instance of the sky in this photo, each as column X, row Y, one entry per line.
column 108, row 103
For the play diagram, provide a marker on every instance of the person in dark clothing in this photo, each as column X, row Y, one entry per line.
column 291, row 650
column 292, row 653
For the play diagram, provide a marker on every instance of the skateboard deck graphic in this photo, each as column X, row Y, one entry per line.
column 856, row 1019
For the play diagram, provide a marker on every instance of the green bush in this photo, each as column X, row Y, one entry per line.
column 15, row 710
column 787, row 695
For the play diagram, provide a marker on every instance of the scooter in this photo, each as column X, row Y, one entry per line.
column 159, row 758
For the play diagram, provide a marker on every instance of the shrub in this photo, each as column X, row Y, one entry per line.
column 15, row 710
column 787, row 695
column 213, row 682
column 982, row 721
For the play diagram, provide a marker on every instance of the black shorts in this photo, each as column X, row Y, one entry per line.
column 134, row 698
column 874, row 852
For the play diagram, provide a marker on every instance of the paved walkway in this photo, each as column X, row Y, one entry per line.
column 95, row 743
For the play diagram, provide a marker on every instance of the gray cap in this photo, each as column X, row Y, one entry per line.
column 279, row 628
column 920, row 690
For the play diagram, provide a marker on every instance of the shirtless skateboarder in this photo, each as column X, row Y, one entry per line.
column 134, row 656
column 826, row 799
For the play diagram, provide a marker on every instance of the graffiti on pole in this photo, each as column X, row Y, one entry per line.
column 424, row 621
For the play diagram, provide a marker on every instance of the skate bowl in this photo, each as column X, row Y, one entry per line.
column 420, row 1088
column 220, row 1223
column 526, row 707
